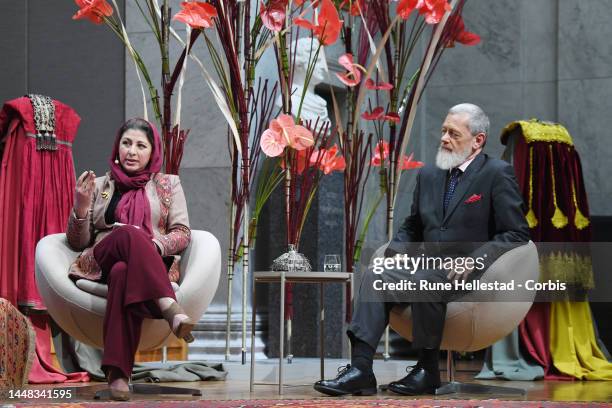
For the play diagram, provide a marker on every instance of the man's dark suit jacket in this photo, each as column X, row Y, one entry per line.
column 494, row 216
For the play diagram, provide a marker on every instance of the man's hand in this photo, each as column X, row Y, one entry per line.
column 390, row 253
column 459, row 273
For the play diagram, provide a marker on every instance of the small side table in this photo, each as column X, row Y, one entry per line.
column 292, row 277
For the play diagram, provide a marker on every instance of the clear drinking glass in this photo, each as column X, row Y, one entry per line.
column 332, row 263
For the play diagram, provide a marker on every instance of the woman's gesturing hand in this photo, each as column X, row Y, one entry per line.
column 84, row 193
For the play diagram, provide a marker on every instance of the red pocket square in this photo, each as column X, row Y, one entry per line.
column 473, row 198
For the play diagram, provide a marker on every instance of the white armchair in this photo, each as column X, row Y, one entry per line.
column 79, row 308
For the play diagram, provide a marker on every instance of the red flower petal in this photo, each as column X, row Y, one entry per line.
column 370, row 84
column 392, row 116
column 468, row 38
column 408, row 164
column 301, row 22
column 93, row 10
column 405, row 7
column 196, row 14
column 329, row 23
column 272, row 143
column 353, row 76
column 273, row 15
column 346, row 60
column 349, row 79
column 376, row 114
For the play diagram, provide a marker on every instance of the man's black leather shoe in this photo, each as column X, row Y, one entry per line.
column 419, row 381
column 350, row 380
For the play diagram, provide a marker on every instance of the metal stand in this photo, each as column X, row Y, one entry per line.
column 386, row 355
column 293, row 277
column 455, row 387
column 289, row 334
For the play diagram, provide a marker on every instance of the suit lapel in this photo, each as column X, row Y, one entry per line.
column 464, row 185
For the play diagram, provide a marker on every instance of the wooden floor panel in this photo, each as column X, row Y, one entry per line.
column 238, row 389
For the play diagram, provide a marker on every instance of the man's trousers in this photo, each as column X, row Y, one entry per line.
column 372, row 307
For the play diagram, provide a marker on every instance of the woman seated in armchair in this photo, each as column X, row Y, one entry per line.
column 130, row 225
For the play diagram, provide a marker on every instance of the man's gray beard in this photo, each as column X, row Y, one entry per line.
column 446, row 160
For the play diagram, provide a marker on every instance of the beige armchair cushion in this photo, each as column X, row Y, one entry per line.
column 472, row 325
column 81, row 313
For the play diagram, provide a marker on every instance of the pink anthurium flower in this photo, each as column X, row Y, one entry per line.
column 273, row 14
column 292, row 135
column 272, row 143
column 353, row 76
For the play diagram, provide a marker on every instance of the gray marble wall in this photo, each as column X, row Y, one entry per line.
column 76, row 62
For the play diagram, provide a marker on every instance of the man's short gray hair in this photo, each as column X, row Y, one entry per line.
column 478, row 120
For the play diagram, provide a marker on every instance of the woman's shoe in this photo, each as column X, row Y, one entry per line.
column 117, row 394
column 184, row 328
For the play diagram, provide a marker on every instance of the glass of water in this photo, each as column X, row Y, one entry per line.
column 332, row 263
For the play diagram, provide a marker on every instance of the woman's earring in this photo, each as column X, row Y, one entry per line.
column 116, row 161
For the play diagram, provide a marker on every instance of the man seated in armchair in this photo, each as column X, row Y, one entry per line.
column 467, row 197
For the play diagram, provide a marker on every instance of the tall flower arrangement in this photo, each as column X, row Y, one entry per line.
column 304, row 163
column 392, row 93
column 157, row 18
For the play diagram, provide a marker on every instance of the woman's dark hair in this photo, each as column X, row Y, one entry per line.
column 138, row 124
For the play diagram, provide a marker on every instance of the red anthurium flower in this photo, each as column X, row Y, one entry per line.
column 432, row 9
column 377, row 113
column 381, row 152
column 405, row 7
column 302, row 161
column 302, row 22
column 273, row 14
column 328, row 160
column 408, row 164
column 353, row 76
column 459, row 34
column 385, row 86
column 392, row 116
column 93, row 10
column 328, row 25
column 196, row 14
column 292, row 135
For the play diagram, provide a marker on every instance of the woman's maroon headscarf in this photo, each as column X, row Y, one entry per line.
column 134, row 207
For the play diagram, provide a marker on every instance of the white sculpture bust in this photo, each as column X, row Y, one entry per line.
column 313, row 106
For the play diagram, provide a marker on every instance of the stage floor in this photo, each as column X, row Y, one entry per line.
column 302, row 373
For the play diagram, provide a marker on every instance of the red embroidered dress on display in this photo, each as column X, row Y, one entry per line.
column 37, row 183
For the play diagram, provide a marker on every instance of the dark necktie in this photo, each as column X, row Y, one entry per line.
column 452, row 184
